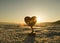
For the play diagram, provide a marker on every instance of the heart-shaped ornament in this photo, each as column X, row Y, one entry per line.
column 30, row 21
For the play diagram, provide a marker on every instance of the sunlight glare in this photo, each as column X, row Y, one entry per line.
column 39, row 19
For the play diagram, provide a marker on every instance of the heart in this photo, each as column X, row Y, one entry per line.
column 30, row 21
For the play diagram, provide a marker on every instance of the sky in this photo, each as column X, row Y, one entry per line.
column 17, row 10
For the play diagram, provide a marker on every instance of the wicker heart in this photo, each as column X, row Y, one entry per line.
column 30, row 20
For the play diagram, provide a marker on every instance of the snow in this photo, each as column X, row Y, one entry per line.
column 20, row 35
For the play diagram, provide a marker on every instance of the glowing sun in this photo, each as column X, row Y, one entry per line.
column 39, row 20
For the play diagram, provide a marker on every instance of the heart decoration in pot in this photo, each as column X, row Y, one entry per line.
column 30, row 21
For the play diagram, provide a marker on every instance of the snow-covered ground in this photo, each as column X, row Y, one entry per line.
column 43, row 35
